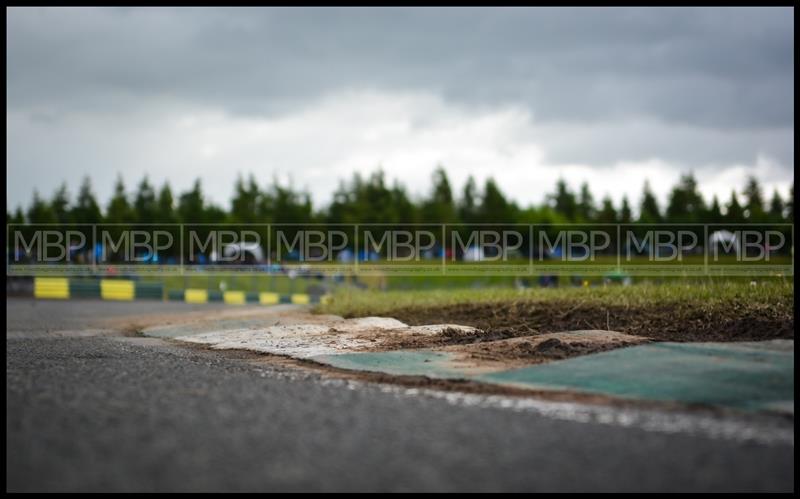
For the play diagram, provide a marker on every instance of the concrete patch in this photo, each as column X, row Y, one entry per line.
column 374, row 322
column 300, row 341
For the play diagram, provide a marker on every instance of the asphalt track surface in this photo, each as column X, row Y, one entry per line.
column 93, row 412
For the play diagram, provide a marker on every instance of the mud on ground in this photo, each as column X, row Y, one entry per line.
column 527, row 350
column 299, row 334
column 681, row 322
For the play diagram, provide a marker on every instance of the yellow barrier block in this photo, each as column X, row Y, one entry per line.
column 300, row 299
column 49, row 287
column 234, row 297
column 269, row 298
column 195, row 296
column 111, row 289
column 325, row 299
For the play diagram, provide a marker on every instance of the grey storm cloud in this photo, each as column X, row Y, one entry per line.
column 726, row 68
column 710, row 85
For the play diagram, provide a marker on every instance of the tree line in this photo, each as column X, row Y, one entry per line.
column 372, row 199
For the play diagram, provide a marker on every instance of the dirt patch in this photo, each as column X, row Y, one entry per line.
column 546, row 347
column 422, row 336
column 131, row 330
column 302, row 335
column 689, row 321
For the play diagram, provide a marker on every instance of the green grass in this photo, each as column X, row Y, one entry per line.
column 727, row 293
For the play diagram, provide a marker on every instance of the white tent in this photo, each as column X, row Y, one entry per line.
column 473, row 254
column 241, row 250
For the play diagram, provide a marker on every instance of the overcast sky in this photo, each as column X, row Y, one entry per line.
column 309, row 96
